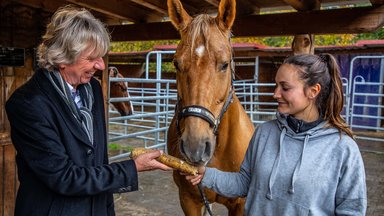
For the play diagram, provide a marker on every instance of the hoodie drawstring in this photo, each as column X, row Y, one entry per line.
column 291, row 189
column 272, row 177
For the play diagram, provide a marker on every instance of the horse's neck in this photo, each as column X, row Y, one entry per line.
column 234, row 133
column 236, row 109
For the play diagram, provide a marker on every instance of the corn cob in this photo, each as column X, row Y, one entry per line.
column 168, row 160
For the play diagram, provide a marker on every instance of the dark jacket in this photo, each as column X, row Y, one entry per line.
column 60, row 171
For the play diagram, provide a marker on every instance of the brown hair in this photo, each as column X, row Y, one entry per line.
column 324, row 70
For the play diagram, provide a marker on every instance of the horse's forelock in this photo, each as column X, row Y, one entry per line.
column 199, row 28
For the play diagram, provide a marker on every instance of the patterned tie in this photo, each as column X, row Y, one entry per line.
column 76, row 98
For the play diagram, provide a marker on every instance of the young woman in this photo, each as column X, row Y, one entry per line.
column 306, row 161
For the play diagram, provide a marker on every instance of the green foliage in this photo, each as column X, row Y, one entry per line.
column 377, row 35
column 116, row 146
column 133, row 46
column 336, row 40
column 279, row 41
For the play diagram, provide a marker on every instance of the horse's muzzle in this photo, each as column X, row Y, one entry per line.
column 197, row 150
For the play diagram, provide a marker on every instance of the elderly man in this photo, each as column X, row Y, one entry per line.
column 58, row 126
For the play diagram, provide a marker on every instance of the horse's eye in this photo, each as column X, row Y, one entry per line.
column 176, row 64
column 224, row 67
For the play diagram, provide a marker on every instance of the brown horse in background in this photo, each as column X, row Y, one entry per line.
column 119, row 89
column 210, row 126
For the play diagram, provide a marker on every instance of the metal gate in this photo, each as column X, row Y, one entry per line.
column 154, row 101
column 366, row 106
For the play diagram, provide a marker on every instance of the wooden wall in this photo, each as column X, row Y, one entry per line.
column 21, row 27
column 10, row 79
column 8, row 174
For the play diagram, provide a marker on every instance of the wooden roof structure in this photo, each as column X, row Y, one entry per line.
column 137, row 20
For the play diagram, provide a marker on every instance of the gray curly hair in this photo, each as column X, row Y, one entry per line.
column 71, row 31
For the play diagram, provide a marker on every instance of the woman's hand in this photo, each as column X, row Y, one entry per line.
column 195, row 179
column 147, row 161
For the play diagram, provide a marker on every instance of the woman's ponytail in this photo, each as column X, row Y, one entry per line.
column 335, row 101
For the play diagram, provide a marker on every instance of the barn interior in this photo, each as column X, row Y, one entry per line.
column 22, row 23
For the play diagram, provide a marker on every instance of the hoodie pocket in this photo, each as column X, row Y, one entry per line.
column 280, row 206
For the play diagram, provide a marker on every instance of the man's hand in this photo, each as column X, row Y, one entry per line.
column 147, row 161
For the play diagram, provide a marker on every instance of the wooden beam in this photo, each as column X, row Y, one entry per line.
column 120, row 9
column 52, row 6
column 377, row 2
column 304, row 5
column 213, row 2
column 151, row 6
column 337, row 21
column 144, row 32
column 45, row 5
column 105, row 7
column 246, row 8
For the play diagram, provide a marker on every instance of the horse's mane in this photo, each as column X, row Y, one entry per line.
column 200, row 28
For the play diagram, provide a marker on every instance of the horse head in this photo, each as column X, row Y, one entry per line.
column 120, row 89
column 203, row 62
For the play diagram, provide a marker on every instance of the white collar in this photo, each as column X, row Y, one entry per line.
column 70, row 87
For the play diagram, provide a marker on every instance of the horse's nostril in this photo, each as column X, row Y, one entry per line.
column 208, row 148
column 182, row 147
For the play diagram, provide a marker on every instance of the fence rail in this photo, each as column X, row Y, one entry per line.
column 154, row 107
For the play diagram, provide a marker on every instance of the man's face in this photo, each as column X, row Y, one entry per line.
column 82, row 70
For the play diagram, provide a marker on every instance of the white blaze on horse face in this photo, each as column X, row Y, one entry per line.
column 200, row 50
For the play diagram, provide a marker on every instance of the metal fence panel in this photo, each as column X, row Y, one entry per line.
column 155, row 100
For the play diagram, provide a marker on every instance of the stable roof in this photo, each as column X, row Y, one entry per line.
column 135, row 20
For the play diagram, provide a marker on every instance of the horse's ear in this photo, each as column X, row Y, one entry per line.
column 227, row 13
column 110, row 71
column 178, row 16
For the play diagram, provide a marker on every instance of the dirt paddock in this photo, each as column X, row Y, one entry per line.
column 158, row 196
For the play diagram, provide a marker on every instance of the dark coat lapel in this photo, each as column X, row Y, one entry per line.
column 61, row 107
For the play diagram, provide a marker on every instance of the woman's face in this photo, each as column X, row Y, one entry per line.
column 83, row 69
column 292, row 97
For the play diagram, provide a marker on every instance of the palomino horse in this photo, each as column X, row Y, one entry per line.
column 120, row 89
column 210, row 126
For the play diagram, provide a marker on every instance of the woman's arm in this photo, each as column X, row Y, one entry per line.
column 351, row 194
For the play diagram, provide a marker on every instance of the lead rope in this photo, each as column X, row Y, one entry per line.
column 204, row 198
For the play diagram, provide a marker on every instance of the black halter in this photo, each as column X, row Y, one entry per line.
column 207, row 115
column 204, row 113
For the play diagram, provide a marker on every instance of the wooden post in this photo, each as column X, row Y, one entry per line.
column 8, row 174
column 104, row 86
column 10, row 79
column 303, row 44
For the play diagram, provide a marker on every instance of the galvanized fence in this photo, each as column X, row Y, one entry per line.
column 154, row 106
column 366, row 105
column 154, row 103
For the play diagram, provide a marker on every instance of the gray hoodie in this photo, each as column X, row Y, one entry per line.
column 316, row 172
